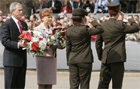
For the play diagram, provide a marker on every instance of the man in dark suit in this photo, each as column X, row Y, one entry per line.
column 54, row 5
column 14, row 57
column 78, row 4
column 131, row 6
column 41, row 5
column 113, row 55
column 72, row 4
column 78, row 48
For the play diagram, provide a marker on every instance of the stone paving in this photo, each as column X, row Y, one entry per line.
column 131, row 80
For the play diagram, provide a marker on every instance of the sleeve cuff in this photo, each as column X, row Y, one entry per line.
column 18, row 45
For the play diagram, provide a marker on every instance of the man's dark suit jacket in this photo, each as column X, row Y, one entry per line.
column 75, row 4
column 57, row 5
column 78, row 43
column 114, row 40
column 12, row 56
column 43, row 6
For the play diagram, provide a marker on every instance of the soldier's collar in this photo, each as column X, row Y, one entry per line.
column 112, row 19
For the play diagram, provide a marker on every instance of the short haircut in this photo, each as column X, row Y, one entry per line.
column 13, row 6
column 137, row 16
column 113, row 14
column 77, row 19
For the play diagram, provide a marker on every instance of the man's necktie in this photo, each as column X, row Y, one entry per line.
column 20, row 27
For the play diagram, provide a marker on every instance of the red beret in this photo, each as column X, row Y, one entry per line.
column 113, row 7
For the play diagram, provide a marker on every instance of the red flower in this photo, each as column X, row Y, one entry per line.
column 27, row 36
column 34, row 46
column 40, row 39
column 93, row 37
column 53, row 31
column 63, row 34
column 22, row 35
column 25, row 42
column 47, row 43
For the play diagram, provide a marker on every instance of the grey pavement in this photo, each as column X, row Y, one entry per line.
column 131, row 80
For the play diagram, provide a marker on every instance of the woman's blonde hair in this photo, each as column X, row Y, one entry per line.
column 45, row 12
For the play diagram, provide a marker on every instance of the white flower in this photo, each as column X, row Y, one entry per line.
column 48, row 40
column 52, row 38
column 29, row 45
column 37, row 33
column 42, row 44
column 35, row 39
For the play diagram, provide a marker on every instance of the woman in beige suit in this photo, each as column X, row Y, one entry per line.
column 46, row 65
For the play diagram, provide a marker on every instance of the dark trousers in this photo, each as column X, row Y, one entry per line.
column 131, row 6
column 80, row 74
column 123, row 6
column 114, row 71
column 15, row 77
column 44, row 86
